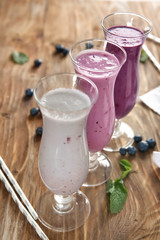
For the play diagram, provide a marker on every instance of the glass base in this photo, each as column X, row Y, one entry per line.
column 124, row 138
column 99, row 172
column 67, row 220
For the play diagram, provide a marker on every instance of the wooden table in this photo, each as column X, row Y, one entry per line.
column 34, row 27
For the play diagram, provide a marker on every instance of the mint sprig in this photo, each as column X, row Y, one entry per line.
column 127, row 166
column 116, row 189
column 143, row 56
column 19, row 57
column 118, row 195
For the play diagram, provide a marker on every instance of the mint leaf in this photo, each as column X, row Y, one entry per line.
column 143, row 56
column 118, row 197
column 127, row 166
column 118, row 181
column 19, row 57
column 125, row 173
column 110, row 186
column 116, row 189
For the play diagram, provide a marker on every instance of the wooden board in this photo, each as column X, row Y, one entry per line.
column 34, row 27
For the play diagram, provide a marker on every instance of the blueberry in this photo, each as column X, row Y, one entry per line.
column 59, row 48
column 29, row 92
column 137, row 138
column 65, row 51
column 123, row 151
column 89, row 45
column 37, row 62
column 131, row 150
column 34, row 111
column 151, row 142
column 39, row 131
column 143, row 146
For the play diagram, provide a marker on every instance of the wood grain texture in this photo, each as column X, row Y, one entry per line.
column 34, row 27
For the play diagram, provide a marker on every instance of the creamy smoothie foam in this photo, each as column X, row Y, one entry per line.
column 102, row 68
column 63, row 156
column 127, row 82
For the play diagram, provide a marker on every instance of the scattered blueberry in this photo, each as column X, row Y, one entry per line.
column 59, row 48
column 37, row 62
column 34, row 111
column 89, row 45
column 29, row 92
column 151, row 142
column 39, row 131
column 143, row 146
column 65, row 51
column 123, row 151
column 137, row 138
column 131, row 150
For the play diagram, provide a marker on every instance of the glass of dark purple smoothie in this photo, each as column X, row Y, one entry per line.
column 100, row 61
column 129, row 30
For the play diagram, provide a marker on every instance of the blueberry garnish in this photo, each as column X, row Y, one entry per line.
column 123, row 151
column 37, row 62
column 131, row 150
column 34, row 111
column 39, row 131
column 143, row 146
column 29, row 92
column 89, row 45
column 151, row 142
column 137, row 138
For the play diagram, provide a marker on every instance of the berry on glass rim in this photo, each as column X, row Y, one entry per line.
column 89, row 45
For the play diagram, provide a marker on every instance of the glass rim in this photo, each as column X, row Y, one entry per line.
column 65, row 74
column 97, row 40
column 127, row 13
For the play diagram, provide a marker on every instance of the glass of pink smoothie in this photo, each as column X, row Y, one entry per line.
column 100, row 61
column 63, row 155
column 129, row 30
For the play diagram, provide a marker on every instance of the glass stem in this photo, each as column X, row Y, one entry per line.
column 63, row 204
column 93, row 162
column 117, row 131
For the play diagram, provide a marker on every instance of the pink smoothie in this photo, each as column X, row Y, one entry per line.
column 102, row 68
column 127, row 82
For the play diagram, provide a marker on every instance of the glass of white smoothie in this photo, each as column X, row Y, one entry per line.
column 63, row 155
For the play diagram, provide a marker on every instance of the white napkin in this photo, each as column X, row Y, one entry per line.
column 152, row 99
column 156, row 158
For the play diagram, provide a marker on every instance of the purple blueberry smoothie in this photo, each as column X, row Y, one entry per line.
column 102, row 68
column 127, row 82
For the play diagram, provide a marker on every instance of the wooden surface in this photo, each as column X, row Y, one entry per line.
column 34, row 27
